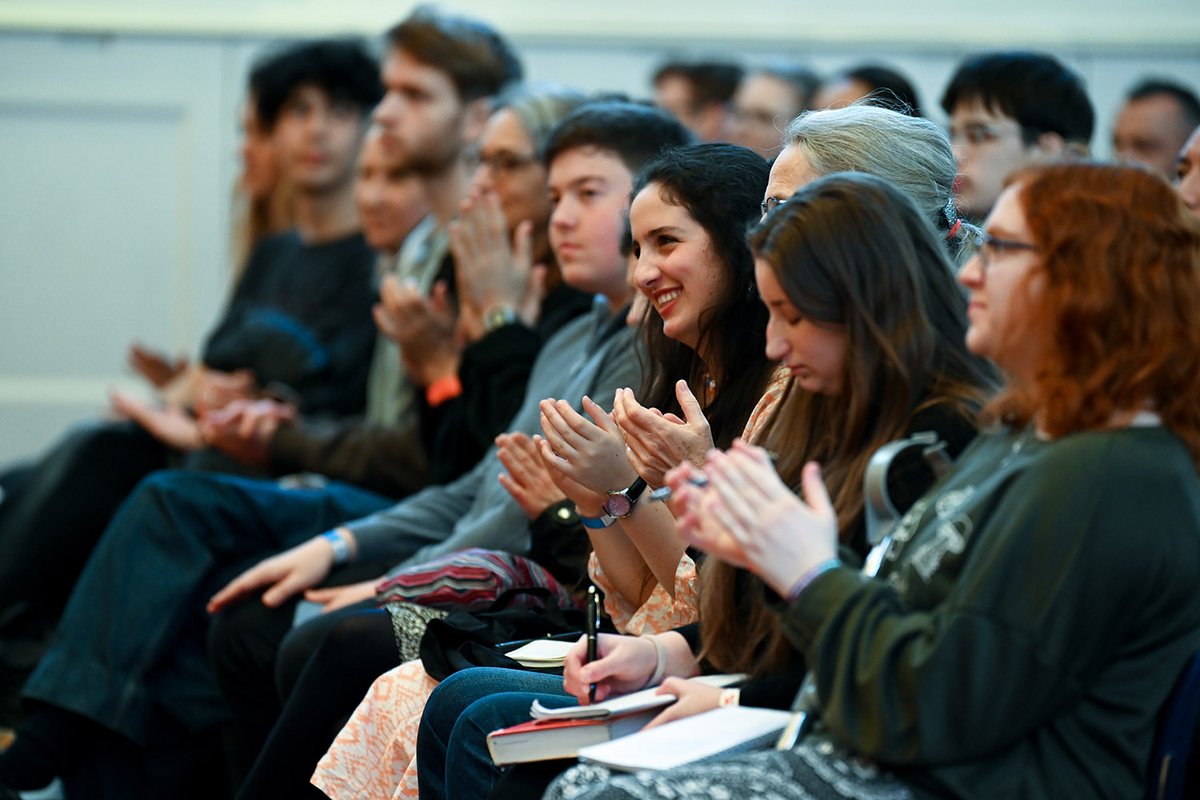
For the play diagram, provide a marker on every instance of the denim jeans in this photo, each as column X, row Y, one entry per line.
column 132, row 637
column 452, row 754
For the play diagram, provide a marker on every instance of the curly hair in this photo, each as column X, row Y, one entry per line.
column 1119, row 270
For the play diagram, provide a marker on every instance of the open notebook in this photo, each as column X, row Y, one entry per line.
column 718, row 732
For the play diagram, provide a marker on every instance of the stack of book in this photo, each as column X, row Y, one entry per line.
column 562, row 732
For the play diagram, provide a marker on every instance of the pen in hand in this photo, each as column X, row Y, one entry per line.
column 593, row 620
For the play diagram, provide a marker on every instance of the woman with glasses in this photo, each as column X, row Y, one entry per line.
column 1035, row 609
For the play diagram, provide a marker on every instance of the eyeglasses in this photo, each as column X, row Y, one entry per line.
column 503, row 164
column 771, row 203
column 980, row 133
column 988, row 246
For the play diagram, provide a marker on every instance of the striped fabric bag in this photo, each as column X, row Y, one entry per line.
column 471, row 580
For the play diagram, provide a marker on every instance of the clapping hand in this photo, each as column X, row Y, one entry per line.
column 657, row 441
column 745, row 515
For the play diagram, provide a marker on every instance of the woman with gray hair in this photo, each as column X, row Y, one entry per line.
column 911, row 153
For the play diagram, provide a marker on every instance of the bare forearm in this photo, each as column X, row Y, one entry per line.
column 651, row 530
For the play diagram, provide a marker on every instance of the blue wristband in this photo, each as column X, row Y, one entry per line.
column 341, row 548
column 807, row 578
column 596, row 523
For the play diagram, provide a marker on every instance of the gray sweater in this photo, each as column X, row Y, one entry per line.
column 592, row 355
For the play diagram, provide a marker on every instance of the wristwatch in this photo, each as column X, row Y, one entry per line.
column 498, row 317
column 619, row 505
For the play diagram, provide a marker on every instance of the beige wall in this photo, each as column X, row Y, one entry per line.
column 117, row 127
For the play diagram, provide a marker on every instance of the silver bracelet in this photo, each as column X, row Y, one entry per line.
column 660, row 666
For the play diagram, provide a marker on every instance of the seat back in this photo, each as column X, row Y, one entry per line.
column 1173, row 739
column 880, row 512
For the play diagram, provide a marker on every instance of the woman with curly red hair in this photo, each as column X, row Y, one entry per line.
column 1035, row 608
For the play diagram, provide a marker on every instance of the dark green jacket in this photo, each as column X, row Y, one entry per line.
column 1035, row 612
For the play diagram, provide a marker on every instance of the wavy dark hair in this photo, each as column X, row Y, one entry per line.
column 721, row 188
column 849, row 250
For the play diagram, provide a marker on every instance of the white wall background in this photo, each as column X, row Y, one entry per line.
column 117, row 135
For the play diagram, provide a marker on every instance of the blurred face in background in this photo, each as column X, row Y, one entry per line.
column 1151, row 130
column 260, row 168
column 423, row 119
column 988, row 147
column 509, row 167
column 318, row 140
column 390, row 199
column 762, row 107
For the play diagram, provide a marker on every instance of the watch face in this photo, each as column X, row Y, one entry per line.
column 618, row 505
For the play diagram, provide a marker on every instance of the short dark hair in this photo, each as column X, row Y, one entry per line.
column 1036, row 90
column 341, row 68
column 711, row 81
column 632, row 132
column 1189, row 104
column 889, row 88
column 720, row 186
column 479, row 61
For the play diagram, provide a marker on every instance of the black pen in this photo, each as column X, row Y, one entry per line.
column 593, row 620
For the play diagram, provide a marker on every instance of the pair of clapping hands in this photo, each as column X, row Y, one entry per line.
column 490, row 273
column 583, row 457
column 197, row 403
column 737, row 509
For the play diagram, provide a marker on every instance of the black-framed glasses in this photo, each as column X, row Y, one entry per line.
column 503, row 163
column 771, row 203
column 987, row 246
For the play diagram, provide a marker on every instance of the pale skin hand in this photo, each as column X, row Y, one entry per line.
column 155, row 367
column 657, row 442
column 423, row 328
column 587, row 502
column 170, row 424
column 283, row 575
column 590, row 453
column 244, row 428
column 216, row 389
column 335, row 597
column 624, row 664
column 527, row 480
column 693, row 698
column 749, row 518
column 492, row 273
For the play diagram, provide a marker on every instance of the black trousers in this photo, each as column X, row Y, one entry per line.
column 292, row 689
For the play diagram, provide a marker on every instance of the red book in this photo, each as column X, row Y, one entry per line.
column 544, row 739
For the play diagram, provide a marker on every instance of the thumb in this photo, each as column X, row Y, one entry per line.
column 815, row 493
column 688, row 402
column 290, row 584
column 537, row 283
column 522, row 244
column 601, row 417
column 321, row 596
